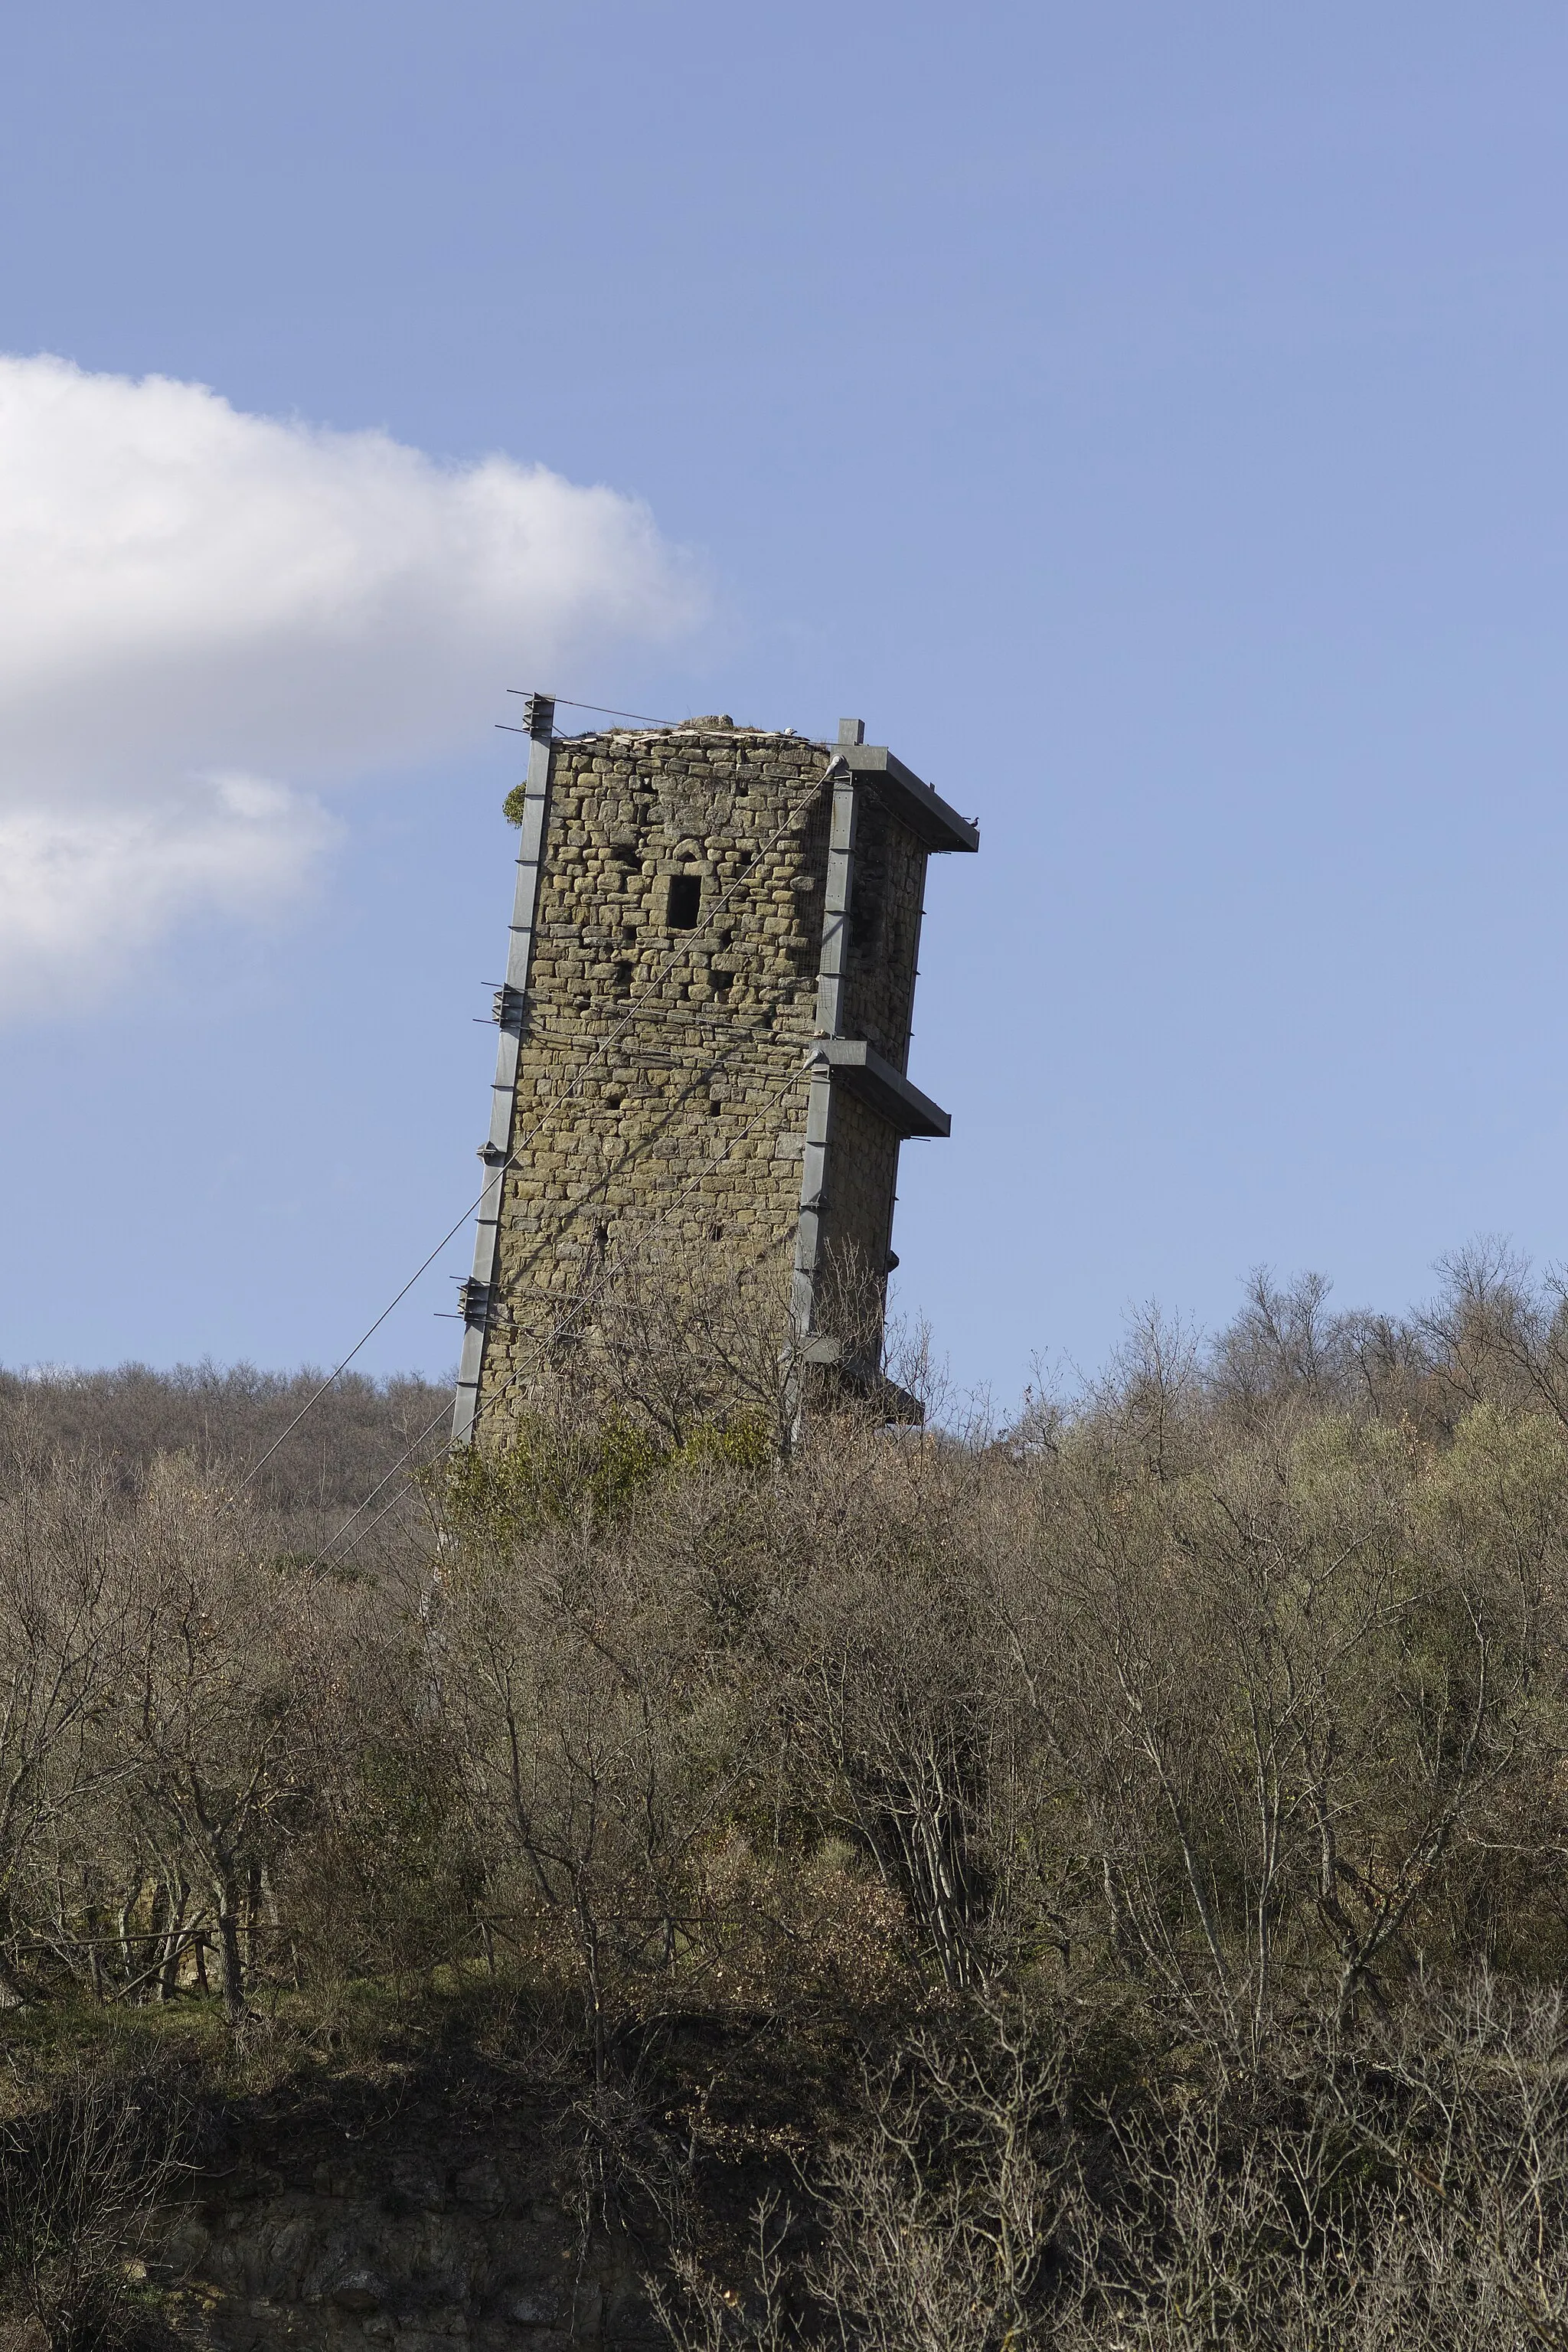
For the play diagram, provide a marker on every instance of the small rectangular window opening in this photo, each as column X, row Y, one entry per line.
column 684, row 900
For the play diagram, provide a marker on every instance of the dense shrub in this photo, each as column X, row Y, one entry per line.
column 1135, row 1834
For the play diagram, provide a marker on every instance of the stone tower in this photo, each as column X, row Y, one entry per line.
column 704, row 1029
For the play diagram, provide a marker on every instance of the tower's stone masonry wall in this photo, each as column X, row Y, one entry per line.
column 661, row 1084
column 858, row 1216
column 884, row 931
column 666, row 1028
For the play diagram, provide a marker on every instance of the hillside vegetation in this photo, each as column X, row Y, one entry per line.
column 1095, row 1883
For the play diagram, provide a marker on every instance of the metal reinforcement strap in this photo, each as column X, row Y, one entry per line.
column 830, row 980
column 479, row 1292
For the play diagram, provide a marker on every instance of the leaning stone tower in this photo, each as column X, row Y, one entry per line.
column 704, row 1029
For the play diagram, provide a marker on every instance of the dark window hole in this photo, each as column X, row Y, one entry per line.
column 684, row 900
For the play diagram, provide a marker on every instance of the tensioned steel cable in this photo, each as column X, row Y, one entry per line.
column 607, row 710
column 635, row 1005
column 571, row 1209
column 540, row 1345
column 604, row 710
column 325, row 1557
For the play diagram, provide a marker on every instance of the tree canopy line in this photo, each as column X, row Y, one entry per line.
column 1097, row 1881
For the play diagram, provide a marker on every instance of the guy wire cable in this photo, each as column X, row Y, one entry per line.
column 324, row 1558
column 604, row 708
column 561, row 1213
column 521, row 1145
column 329, row 1557
column 634, row 1004
column 540, row 1345
column 769, row 1103
column 607, row 710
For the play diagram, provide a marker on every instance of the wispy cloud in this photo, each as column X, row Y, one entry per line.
column 207, row 618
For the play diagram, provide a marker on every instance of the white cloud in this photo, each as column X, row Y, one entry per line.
column 208, row 617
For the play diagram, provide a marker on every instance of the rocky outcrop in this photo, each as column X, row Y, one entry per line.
column 427, row 2229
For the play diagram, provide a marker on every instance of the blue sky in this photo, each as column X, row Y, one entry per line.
column 1150, row 420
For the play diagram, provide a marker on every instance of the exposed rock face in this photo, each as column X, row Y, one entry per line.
column 417, row 2233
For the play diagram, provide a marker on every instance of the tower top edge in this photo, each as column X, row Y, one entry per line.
column 703, row 726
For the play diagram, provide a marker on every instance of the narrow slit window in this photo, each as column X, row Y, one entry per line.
column 684, row 900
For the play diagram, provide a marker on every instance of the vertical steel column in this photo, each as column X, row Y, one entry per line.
column 831, row 973
column 479, row 1292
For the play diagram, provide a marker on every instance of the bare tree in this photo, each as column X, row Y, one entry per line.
column 593, row 1738
column 63, row 1573
column 224, row 1678
column 82, row 2178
